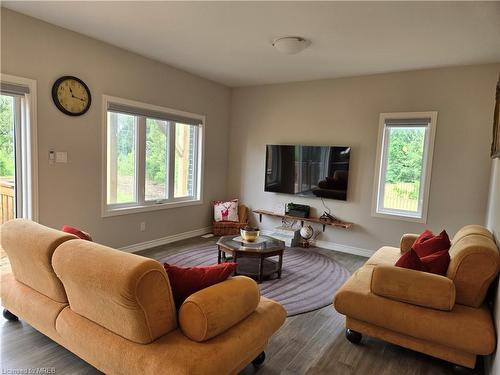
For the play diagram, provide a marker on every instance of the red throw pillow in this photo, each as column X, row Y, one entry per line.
column 437, row 262
column 427, row 243
column 79, row 233
column 186, row 281
column 411, row 261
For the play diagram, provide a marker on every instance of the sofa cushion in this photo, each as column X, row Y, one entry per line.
column 213, row 310
column 415, row 287
column 464, row 328
column 428, row 243
column 173, row 353
column 188, row 280
column 30, row 247
column 385, row 255
column 125, row 293
column 32, row 307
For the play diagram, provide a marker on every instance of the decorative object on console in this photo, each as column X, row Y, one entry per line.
column 226, row 210
column 495, row 144
column 306, row 233
column 185, row 281
column 224, row 228
column 290, row 236
column 77, row 232
column 297, row 210
column 249, row 234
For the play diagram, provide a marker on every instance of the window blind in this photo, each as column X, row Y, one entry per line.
column 159, row 115
column 408, row 122
column 13, row 89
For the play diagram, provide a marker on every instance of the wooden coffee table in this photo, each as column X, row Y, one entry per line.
column 253, row 258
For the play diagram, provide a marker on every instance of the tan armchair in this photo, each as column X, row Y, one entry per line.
column 442, row 316
column 226, row 228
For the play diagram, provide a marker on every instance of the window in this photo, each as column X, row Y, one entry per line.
column 18, row 182
column 403, row 169
column 152, row 157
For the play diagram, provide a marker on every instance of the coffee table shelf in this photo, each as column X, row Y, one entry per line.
column 316, row 220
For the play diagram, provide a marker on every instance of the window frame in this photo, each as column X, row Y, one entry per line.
column 381, row 168
column 26, row 147
column 141, row 204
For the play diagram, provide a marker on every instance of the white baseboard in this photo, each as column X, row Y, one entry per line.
column 335, row 246
column 344, row 248
column 165, row 240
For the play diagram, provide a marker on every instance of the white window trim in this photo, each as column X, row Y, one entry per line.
column 29, row 143
column 124, row 209
column 427, row 167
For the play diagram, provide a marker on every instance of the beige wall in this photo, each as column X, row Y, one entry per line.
column 493, row 223
column 346, row 112
column 70, row 193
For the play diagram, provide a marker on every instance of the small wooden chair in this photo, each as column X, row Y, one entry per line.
column 226, row 228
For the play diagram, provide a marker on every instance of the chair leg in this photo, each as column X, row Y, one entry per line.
column 353, row 336
column 9, row 316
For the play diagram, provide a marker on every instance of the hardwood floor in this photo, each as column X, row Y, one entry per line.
column 311, row 343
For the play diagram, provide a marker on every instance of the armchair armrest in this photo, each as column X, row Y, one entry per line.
column 414, row 287
column 406, row 241
column 213, row 310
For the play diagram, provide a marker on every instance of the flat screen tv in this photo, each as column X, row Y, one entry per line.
column 315, row 171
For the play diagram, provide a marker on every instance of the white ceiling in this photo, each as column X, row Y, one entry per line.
column 230, row 42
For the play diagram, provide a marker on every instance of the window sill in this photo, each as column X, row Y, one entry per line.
column 400, row 216
column 108, row 212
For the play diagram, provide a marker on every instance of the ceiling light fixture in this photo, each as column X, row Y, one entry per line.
column 291, row 45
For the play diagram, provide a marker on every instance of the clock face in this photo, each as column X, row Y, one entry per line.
column 71, row 95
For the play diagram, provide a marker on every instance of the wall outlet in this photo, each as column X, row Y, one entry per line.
column 142, row 226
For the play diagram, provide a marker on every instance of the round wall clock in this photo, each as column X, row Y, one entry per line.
column 71, row 95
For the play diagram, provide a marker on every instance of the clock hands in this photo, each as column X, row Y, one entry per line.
column 73, row 96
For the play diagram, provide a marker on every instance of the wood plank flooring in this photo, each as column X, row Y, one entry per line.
column 311, row 343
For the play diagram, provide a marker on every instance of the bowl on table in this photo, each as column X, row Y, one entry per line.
column 249, row 234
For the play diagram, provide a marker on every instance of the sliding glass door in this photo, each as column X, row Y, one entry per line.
column 10, row 202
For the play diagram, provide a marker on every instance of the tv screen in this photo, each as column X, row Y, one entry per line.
column 320, row 171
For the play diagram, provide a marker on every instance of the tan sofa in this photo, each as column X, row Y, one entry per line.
column 115, row 310
column 442, row 316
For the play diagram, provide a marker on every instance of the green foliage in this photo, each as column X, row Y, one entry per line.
column 6, row 136
column 404, row 162
column 156, row 151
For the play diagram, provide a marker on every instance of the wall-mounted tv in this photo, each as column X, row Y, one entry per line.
column 321, row 171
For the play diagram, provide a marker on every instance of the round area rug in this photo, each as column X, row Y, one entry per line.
column 308, row 280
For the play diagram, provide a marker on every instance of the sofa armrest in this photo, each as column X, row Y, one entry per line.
column 407, row 241
column 414, row 287
column 213, row 310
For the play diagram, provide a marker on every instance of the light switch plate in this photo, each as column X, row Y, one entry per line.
column 61, row 157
